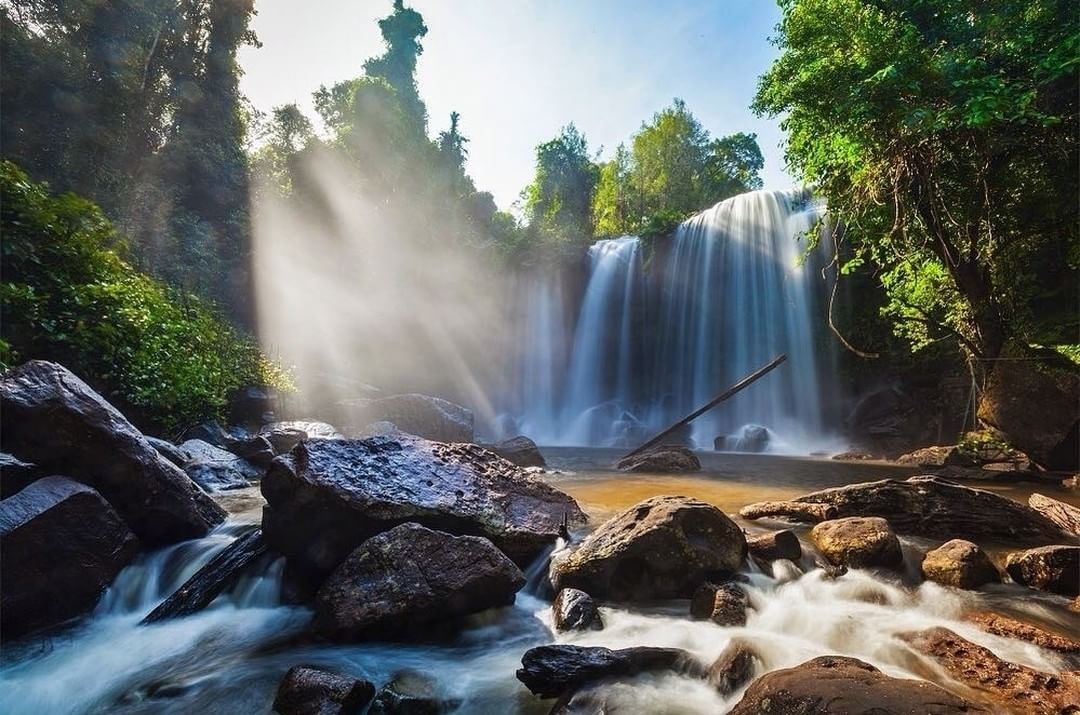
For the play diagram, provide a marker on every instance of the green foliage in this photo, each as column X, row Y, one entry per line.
column 69, row 296
column 943, row 135
column 557, row 203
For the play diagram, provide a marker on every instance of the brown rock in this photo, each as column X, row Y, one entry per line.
column 775, row 545
column 1007, row 627
column 311, row 691
column 551, row 670
column 936, row 456
column 663, row 547
column 1064, row 515
column 1048, row 568
column 734, row 667
column 665, row 459
column 723, row 604
column 575, row 610
column 960, row 564
column 858, row 542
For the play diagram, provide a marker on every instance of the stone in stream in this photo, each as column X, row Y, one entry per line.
column 575, row 610
column 53, row 418
column 401, row 583
column 1064, row 515
column 216, row 469
column 1003, row 685
column 1007, row 627
column 327, row 496
column 734, row 667
column 858, row 543
column 283, row 436
column 837, row 685
column 936, row 508
column 16, row 474
column 520, row 450
column 169, row 451
column 61, row 544
column 723, row 604
column 552, row 670
column 960, row 564
column 1048, row 568
column 663, row 547
column 775, row 545
column 312, row 691
column 421, row 415
column 665, row 459
column 411, row 693
column 219, row 574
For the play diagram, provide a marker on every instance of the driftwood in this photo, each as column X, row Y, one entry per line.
column 926, row 506
column 1064, row 515
column 737, row 387
column 211, row 580
column 798, row 511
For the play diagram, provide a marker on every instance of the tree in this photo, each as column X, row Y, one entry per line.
column 943, row 135
column 402, row 31
column 733, row 166
column 558, row 202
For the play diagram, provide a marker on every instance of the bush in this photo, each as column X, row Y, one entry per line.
column 68, row 295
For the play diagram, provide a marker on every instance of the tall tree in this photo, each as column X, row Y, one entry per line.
column 558, row 202
column 402, row 32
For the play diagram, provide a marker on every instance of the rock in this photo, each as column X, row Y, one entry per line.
column 960, row 564
column 734, row 667
column 1048, row 568
column 312, row 691
column 551, row 670
column 723, row 604
column 53, row 418
column 936, row 456
column 575, row 610
column 799, row 511
column 663, row 547
column 399, row 583
column 1064, row 515
column 286, row 435
column 411, row 693
column 1006, row 627
column 835, row 685
column 16, row 474
column 1007, row 686
column 751, row 438
column 858, row 543
column 253, row 405
column 854, row 455
column 326, row 497
column 216, row 469
column 210, row 432
column 169, row 451
column 775, row 545
column 935, row 508
column 665, row 459
column 257, row 450
column 421, row 415
column 520, row 450
column 61, row 544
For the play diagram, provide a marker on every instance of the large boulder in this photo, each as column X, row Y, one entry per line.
column 665, row 459
column 1064, row 515
column 327, row 496
column 401, row 582
column 215, row 469
column 929, row 507
column 1047, row 568
column 421, row 415
column 960, row 564
column 283, row 436
column 575, row 610
column 551, row 670
column 51, row 417
column 835, row 685
column 312, row 691
column 858, row 542
column 61, row 544
column 663, row 547
column 520, row 450
column 15, row 474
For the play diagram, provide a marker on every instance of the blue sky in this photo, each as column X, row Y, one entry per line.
column 517, row 70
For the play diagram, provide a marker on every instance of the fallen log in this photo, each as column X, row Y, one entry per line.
column 1064, row 515
column 798, row 511
column 211, row 580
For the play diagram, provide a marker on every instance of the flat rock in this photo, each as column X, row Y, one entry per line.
column 1007, row 627
column 1048, row 568
column 552, row 670
column 663, row 547
column 327, row 496
column 399, row 583
column 61, row 544
column 665, row 459
column 421, row 415
column 51, row 417
column 858, row 542
column 575, row 610
column 312, row 691
column 936, row 456
column 960, row 564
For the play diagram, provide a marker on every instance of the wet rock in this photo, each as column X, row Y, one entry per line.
column 835, row 685
column 411, row 693
column 751, row 438
column 858, row 543
column 575, row 610
column 734, row 667
column 960, row 564
column 723, row 604
column 775, row 545
column 215, row 469
column 665, row 459
column 937, row 456
column 210, row 432
column 15, row 474
column 520, row 450
column 935, row 508
column 312, row 691
column 1048, row 568
column 326, row 497
column 169, row 451
column 53, row 418
column 1006, row 627
column 421, row 415
column 663, row 547
column 257, row 450
column 798, row 511
column 396, row 584
column 61, row 544
column 1003, row 685
column 551, row 670
column 1064, row 515
column 285, row 435
column 253, row 405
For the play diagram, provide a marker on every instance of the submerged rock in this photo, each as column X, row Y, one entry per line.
column 665, row 459
column 50, row 416
column 575, row 610
column 421, row 415
column 775, row 545
column 960, row 564
column 215, row 469
column 312, row 691
column 836, row 685
column 723, row 604
column 396, row 584
column 1048, row 568
column 858, row 542
column 327, row 496
column 61, row 544
column 520, row 450
column 552, row 670
column 663, row 547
